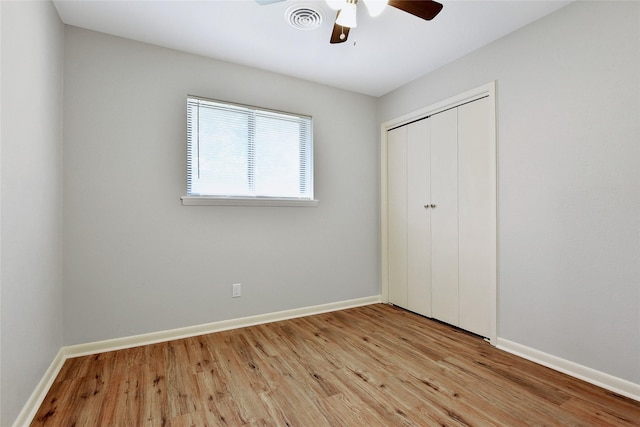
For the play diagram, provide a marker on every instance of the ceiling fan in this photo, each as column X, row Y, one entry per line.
column 346, row 12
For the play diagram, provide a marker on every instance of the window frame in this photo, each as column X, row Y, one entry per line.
column 230, row 200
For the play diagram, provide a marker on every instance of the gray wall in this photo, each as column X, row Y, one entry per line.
column 136, row 260
column 31, row 199
column 569, row 179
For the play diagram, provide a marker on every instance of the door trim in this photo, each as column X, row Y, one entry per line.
column 486, row 90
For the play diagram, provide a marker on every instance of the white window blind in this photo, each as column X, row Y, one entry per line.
column 240, row 151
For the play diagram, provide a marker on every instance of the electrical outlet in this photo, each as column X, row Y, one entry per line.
column 236, row 290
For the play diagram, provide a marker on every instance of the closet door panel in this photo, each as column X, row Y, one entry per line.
column 418, row 218
column 444, row 216
column 397, row 215
column 476, row 159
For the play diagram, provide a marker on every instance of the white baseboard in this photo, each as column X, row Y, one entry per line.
column 606, row 381
column 37, row 397
column 207, row 328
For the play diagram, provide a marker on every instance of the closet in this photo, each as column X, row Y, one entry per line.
column 441, row 216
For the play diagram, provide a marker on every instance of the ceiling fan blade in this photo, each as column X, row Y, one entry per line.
column 425, row 9
column 339, row 33
column 265, row 2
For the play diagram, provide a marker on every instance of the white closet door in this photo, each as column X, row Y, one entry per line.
column 418, row 217
column 397, row 215
column 477, row 200
column 444, row 216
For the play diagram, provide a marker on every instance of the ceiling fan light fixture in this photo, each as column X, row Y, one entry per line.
column 375, row 7
column 336, row 4
column 347, row 16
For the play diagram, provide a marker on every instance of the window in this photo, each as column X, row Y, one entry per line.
column 237, row 154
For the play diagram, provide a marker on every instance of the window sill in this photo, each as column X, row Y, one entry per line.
column 245, row 201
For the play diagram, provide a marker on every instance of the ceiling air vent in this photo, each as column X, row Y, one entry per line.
column 304, row 17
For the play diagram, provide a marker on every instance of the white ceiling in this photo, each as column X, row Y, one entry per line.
column 382, row 53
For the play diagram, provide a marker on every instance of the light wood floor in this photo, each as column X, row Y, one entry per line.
column 370, row 366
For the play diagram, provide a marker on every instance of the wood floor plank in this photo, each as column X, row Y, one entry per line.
column 375, row 365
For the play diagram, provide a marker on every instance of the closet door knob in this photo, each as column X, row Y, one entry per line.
column 426, row 206
column 433, row 206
